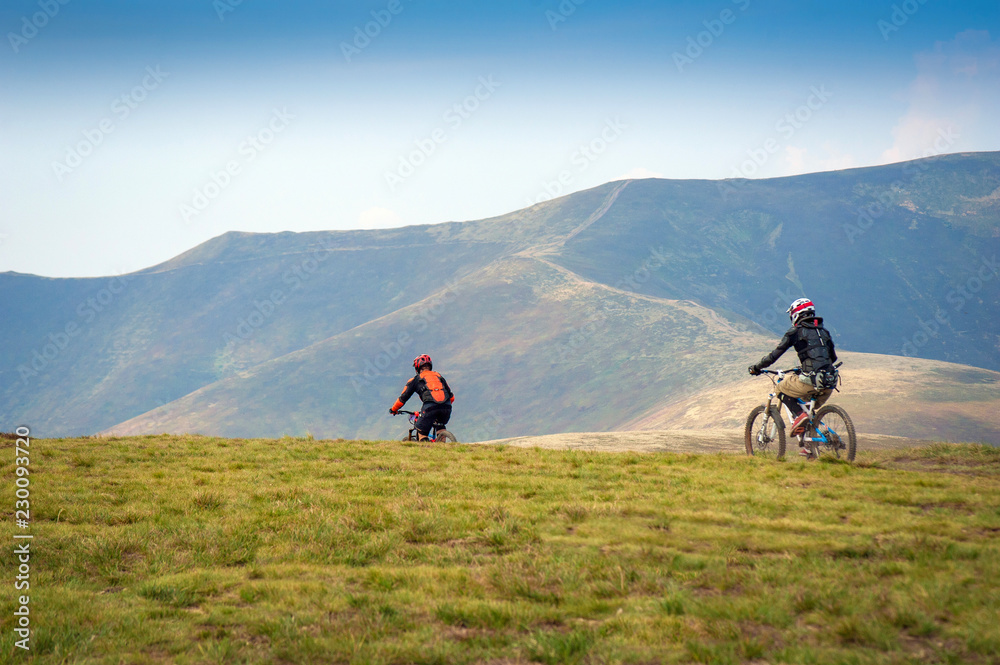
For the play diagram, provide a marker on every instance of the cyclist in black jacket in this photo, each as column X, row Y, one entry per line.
column 816, row 352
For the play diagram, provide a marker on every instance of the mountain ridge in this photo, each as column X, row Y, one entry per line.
column 243, row 300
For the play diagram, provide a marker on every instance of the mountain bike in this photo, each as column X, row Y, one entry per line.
column 437, row 434
column 828, row 430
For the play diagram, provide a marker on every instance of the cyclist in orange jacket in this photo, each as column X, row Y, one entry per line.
column 433, row 391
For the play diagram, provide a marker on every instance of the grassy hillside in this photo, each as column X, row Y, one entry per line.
column 201, row 550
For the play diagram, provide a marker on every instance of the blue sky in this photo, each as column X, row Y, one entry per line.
column 132, row 131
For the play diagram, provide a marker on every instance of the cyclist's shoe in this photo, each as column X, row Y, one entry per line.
column 805, row 452
column 799, row 424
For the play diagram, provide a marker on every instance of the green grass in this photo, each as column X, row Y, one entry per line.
column 202, row 550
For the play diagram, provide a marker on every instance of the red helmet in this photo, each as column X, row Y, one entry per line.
column 420, row 361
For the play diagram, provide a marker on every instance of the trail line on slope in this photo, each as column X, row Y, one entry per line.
column 595, row 216
column 706, row 314
column 540, row 252
column 600, row 212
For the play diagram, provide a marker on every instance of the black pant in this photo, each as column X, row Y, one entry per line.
column 792, row 403
column 433, row 414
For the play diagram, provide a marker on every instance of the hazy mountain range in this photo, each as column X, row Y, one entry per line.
column 609, row 308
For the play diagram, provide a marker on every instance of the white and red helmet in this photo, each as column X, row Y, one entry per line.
column 802, row 308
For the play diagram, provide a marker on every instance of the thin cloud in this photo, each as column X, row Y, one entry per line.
column 639, row 173
column 799, row 160
column 379, row 218
column 948, row 95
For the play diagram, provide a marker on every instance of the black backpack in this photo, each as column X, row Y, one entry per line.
column 827, row 378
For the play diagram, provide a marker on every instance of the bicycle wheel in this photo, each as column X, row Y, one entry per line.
column 838, row 429
column 444, row 435
column 765, row 441
column 409, row 437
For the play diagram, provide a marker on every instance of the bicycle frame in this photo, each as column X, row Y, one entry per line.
column 414, row 434
column 827, row 428
column 809, row 407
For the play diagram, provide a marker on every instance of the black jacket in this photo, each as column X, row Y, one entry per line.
column 430, row 386
column 811, row 341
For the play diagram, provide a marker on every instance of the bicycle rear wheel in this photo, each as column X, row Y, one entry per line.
column 444, row 435
column 764, row 439
column 837, row 428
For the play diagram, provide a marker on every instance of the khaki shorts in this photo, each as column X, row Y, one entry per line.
column 793, row 386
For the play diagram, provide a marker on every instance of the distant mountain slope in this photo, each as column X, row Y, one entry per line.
column 225, row 306
column 886, row 252
column 908, row 397
column 173, row 329
column 502, row 340
column 902, row 259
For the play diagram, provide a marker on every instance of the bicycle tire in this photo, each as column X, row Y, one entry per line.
column 850, row 446
column 444, row 436
column 751, row 433
column 408, row 437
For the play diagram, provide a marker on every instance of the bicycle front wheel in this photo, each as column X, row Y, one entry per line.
column 835, row 429
column 764, row 435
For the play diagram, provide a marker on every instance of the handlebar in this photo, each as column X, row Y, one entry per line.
column 409, row 413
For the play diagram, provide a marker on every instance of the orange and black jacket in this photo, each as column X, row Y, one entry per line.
column 431, row 387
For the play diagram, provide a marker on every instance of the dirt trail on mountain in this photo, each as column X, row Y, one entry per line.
column 551, row 248
column 600, row 212
column 675, row 441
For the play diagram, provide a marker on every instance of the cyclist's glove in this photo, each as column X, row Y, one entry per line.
column 392, row 411
column 754, row 370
